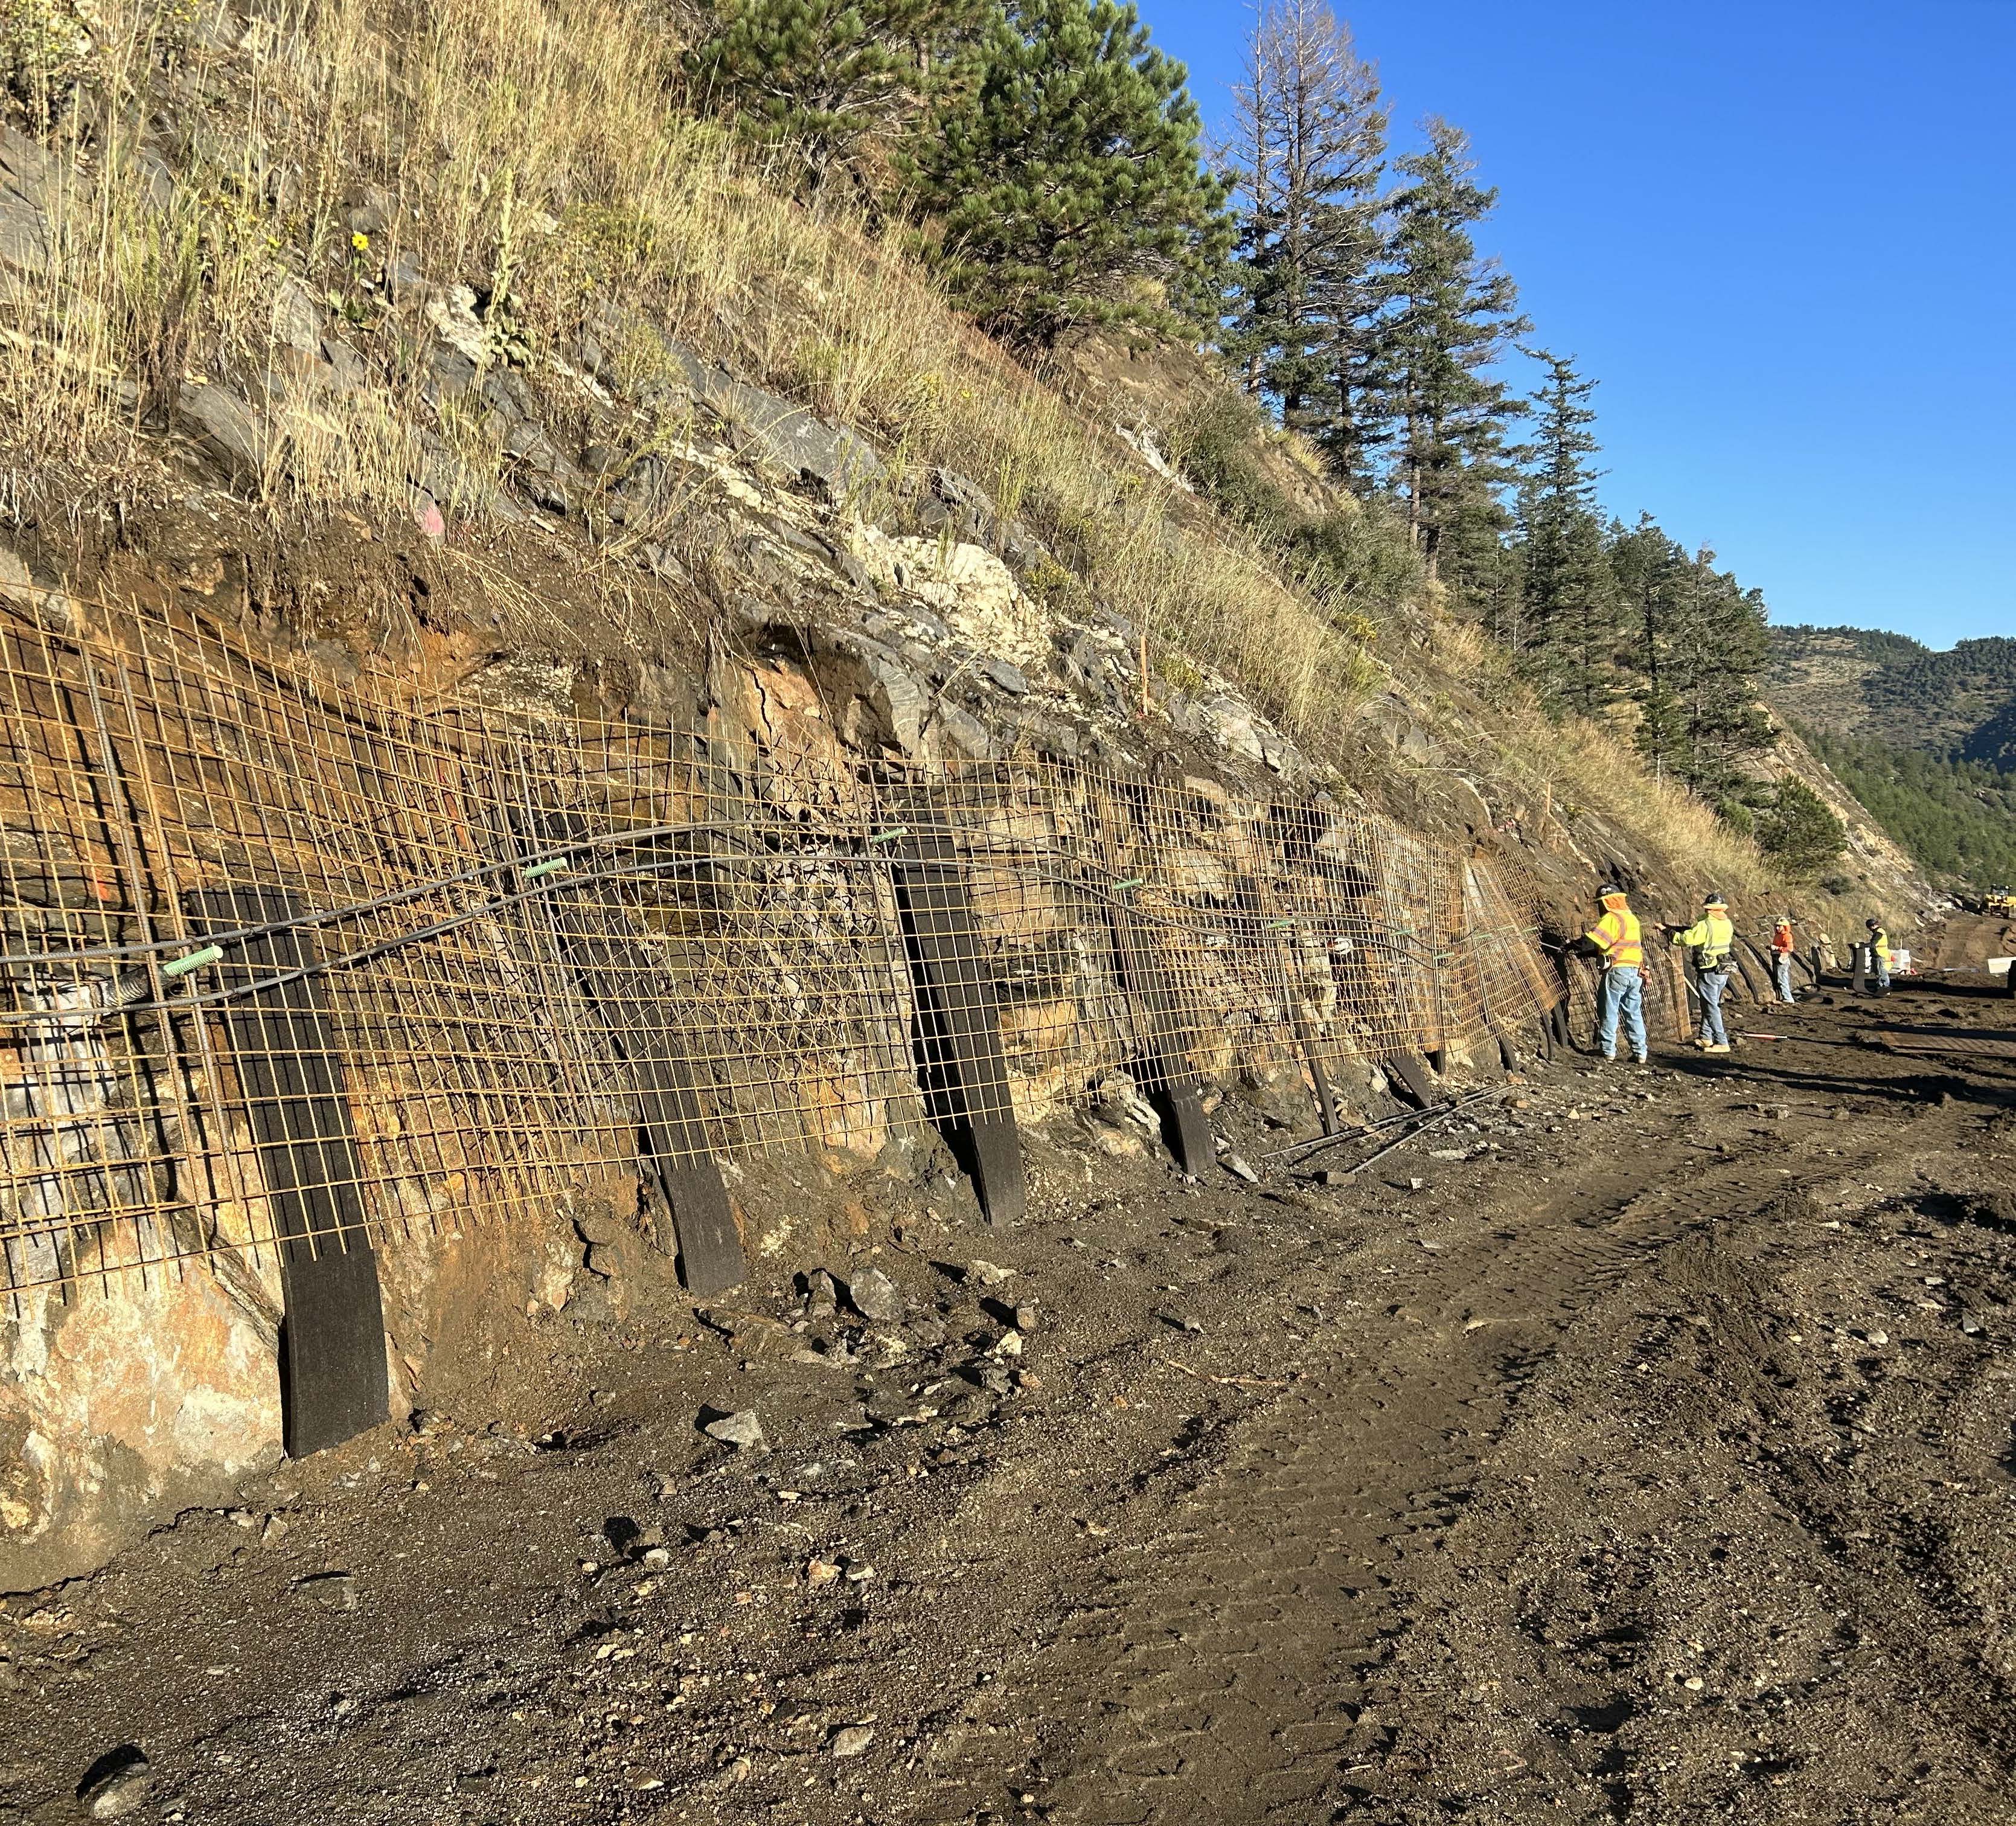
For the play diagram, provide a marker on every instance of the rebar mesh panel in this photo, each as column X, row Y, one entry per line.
column 526, row 931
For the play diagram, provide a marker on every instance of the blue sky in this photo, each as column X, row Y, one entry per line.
column 1783, row 236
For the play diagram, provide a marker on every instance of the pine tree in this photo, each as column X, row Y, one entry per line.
column 1570, row 598
column 1799, row 830
column 1308, row 144
column 1650, row 571
column 1453, row 314
column 834, row 83
column 1068, row 186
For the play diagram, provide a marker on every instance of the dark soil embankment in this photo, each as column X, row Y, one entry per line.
column 1640, row 1451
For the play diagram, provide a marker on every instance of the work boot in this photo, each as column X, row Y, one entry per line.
column 1719, row 1048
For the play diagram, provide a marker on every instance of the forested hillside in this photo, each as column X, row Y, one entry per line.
column 1960, row 704
column 1926, row 739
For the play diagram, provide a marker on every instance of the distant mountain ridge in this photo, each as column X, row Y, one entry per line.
column 1960, row 704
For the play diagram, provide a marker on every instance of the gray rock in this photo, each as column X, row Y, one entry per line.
column 404, row 278
column 839, row 462
column 228, row 429
column 214, row 30
column 743, row 1430
column 873, row 1295
column 988, row 1273
column 966, row 732
column 298, row 319
column 117, row 1784
column 24, row 171
column 335, row 1591
column 343, row 370
column 1007, row 674
column 1234, row 1164
column 851, row 1740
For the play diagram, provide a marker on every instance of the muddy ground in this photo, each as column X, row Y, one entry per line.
column 1637, row 1447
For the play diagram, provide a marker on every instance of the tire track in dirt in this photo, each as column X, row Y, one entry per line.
column 1229, row 1666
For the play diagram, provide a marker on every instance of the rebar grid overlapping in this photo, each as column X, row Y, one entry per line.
column 462, row 940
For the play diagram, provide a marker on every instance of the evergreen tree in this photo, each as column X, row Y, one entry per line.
column 834, row 82
column 1067, row 186
column 1798, row 831
column 1453, row 315
column 1650, row 570
column 1308, row 144
column 1709, row 640
column 1569, row 596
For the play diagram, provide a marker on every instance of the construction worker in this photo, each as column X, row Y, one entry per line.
column 1879, row 956
column 1619, row 940
column 1783, row 946
column 1713, row 939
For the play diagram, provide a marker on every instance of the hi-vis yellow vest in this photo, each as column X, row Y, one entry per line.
column 1715, row 936
column 1622, row 940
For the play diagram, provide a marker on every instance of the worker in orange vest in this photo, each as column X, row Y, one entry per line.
column 1782, row 946
column 1619, row 940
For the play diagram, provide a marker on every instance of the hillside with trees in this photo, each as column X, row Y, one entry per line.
column 1373, row 431
column 1925, row 739
column 1960, row 704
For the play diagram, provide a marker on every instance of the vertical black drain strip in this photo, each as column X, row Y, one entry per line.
column 1407, row 1072
column 333, row 1383
column 628, row 990
column 1166, row 1076
column 964, row 1074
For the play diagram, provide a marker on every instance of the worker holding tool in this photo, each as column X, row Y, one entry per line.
column 1879, row 956
column 1782, row 946
column 1619, row 940
column 1713, row 939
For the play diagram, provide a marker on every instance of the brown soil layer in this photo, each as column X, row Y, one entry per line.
column 1649, row 1461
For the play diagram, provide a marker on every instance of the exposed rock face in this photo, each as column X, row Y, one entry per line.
column 114, row 1410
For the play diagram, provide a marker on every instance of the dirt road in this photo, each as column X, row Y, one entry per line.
column 1639, row 1450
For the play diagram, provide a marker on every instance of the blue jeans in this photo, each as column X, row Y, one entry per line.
column 1712, row 983
column 1622, row 996
column 1781, row 972
column 1882, row 965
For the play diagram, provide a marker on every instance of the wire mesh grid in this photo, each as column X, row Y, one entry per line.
column 284, row 963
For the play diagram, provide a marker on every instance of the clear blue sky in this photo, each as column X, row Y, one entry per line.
column 1783, row 236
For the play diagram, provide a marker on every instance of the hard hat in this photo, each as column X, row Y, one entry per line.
column 1714, row 900
column 1784, row 919
column 1610, row 889
column 1872, row 925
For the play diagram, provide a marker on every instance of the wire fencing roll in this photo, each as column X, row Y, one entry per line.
column 503, row 912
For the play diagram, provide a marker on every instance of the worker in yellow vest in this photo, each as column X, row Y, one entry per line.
column 1879, row 956
column 1713, row 939
column 1619, row 940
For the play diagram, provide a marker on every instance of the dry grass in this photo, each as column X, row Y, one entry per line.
column 1555, row 773
column 526, row 148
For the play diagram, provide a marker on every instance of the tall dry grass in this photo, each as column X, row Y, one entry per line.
column 526, row 149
